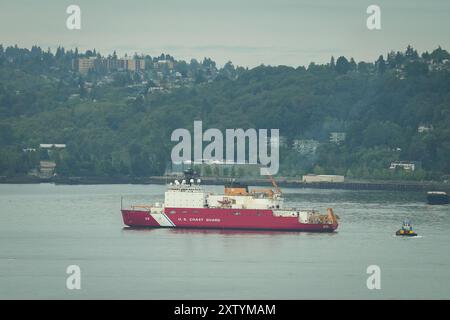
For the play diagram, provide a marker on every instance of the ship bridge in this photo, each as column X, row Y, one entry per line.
column 183, row 195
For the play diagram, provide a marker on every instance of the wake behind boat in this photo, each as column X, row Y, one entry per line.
column 188, row 205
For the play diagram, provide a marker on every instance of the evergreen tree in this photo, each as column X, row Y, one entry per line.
column 381, row 65
column 342, row 65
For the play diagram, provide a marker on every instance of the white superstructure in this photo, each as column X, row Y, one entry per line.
column 193, row 196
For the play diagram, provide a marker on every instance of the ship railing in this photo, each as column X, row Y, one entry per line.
column 140, row 203
column 137, row 206
column 297, row 209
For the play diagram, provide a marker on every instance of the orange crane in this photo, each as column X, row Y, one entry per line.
column 274, row 183
column 269, row 192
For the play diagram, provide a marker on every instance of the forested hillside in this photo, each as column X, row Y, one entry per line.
column 394, row 109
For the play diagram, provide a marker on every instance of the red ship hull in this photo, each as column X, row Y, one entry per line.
column 220, row 218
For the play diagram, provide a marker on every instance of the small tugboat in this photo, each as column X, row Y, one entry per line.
column 438, row 197
column 406, row 230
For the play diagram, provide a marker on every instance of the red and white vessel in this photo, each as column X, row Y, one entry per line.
column 188, row 205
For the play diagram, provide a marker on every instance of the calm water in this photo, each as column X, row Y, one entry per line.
column 45, row 228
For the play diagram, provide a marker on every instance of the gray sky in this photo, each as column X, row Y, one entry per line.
column 247, row 32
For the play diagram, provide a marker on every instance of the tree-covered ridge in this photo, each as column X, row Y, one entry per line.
column 396, row 108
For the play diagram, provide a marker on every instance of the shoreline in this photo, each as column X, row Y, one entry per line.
column 423, row 186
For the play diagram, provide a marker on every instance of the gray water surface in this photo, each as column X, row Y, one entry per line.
column 45, row 228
